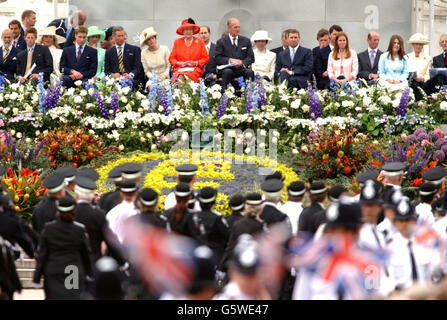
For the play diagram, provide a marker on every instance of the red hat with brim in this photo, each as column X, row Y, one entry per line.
column 187, row 24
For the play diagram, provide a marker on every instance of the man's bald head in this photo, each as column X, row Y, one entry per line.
column 234, row 27
column 78, row 18
column 7, row 36
column 373, row 39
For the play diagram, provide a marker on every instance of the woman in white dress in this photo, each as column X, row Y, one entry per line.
column 50, row 39
column 155, row 58
column 264, row 59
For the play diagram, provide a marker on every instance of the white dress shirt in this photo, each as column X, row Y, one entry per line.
column 425, row 214
column 440, row 226
column 293, row 211
column 387, row 228
column 368, row 239
column 118, row 216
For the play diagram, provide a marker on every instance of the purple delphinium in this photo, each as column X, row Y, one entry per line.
column 248, row 99
column 114, row 103
column 222, row 106
column 52, row 99
column 261, row 91
column 314, row 104
column 101, row 105
column 402, row 109
column 164, row 101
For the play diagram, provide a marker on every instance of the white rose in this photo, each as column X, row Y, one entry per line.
column 123, row 100
column 305, row 108
column 91, row 91
column 157, row 133
column 153, row 147
column 231, row 133
column 294, row 151
column 295, row 104
column 28, row 140
column 261, row 145
column 13, row 96
column 78, row 83
column 83, row 93
column 142, row 139
column 148, row 135
column 126, row 90
column 37, row 133
column 160, row 108
column 12, row 132
column 238, row 141
column 276, row 134
column 121, row 147
column 247, row 150
column 304, row 148
column 77, row 100
column 19, row 135
column 110, row 82
column 216, row 95
column 29, row 109
column 367, row 101
column 443, row 105
column 15, row 111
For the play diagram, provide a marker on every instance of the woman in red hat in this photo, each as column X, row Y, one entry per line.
column 189, row 55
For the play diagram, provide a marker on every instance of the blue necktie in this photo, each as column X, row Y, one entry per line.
column 67, row 41
column 372, row 57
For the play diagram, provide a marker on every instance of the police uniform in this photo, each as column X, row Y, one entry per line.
column 436, row 176
column 363, row 177
column 46, row 210
column 409, row 262
column 94, row 220
column 424, row 210
column 312, row 216
column 69, row 173
column 149, row 198
column 391, row 169
column 63, row 244
column 183, row 170
column 335, row 192
column 112, row 198
column 118, row 216
column 181, row 190
column 293, row 209
column 386, row 227
column 271, row 213
column 236, row 204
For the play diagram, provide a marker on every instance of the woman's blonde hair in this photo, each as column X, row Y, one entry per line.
column 252, row 210
column 54, row 42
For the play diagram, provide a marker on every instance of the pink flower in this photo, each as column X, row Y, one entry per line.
column 312, row 115
column 179, row 125
column 286, row 112
column 87, row 107
column 349, row 114
column 146, row 108
column 434, row 96
column 425, row 142
column 249, row 120
column 138, row 116
column 359, row 116
column 404, row 137
column 354, row 130
column 1, row 109
column 295, row 97
column 80, row 113
column 439, row 132
column 78, row 107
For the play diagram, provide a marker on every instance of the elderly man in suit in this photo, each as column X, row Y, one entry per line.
column 369, row 59
column 322, row 57
column 78, row 62
column 18, row 40
column 8, row 56
column 441, row 60
column 210, row 68
column 123, row 59
column 34, row 54
column 294, row 65
column 234, row 49
column 65, row 27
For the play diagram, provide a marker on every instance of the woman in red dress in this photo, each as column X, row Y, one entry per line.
column 189, row 55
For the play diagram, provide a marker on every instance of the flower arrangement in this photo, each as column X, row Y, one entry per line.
column 25, row 189
column 332, row 152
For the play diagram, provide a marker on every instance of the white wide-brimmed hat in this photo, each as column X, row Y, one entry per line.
column 146, row 34
column 261, row 35
column 418, row 38
column 51, row 31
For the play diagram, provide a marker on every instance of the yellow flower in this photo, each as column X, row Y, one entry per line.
column 340, row 154
column 325, row 156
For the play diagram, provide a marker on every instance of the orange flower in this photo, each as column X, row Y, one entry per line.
column 416, row 182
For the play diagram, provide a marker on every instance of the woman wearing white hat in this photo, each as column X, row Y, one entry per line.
column 264, row 59
column 419, row 63
column 155, row 58
column 50, row 39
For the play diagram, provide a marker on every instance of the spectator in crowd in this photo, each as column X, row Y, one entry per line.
column 65, row 27
column 34, row 54
column 285, row 42
column 8, row 56
column 123, row 60
column 189, row 55
column 237, row 49
column 393, row 65
column 155, row 58
column 50, row 39
column 78, row 62
column 94, row 37
column 323, row 41
column 322, row 58
column 28, row 20
column 63, row 243
column 265, row 60
column 369, row 59
column 18, row 39
column 210, row 68
column 419, row 65
column 108, row 41
column 343, row 65
column 295, row 64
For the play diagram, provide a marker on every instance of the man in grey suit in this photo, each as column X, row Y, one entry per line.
column 369, row 59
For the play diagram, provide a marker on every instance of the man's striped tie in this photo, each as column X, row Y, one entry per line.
column 5, row 55
column 120, row 60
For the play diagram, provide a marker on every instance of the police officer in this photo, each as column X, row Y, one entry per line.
column 211, row 226
column 409, row 262
column 94, row 220
column 112, row 198
column 440, row 209
column 186, row 174
column 312, row 216
column 46, row 210
column 118, row 216
column 335, row 192
column 364, row 176
column 236, row 204
column 386, row 227
column 147, row 202
column 108, row 281
column 272, row 191
column 178, row 216
column 90, row 173
column 427, row 195
column 294, row 205
column 436, row 176
column 69, row 173
column 63, row 243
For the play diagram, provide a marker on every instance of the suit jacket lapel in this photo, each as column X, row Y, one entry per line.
column 33, row 59
column 288, row 55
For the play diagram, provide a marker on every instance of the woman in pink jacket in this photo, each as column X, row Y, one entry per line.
column 343, row 64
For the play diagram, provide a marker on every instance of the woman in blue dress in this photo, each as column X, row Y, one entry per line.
column 393, row 65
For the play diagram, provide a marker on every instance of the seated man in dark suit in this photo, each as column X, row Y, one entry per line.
column 323, row 41
column 285, row 42
column 18, row 39
column 8, row 56
column 78, row 62
column 34, row 54
column 210, row 74
column 441, row 60
column 65, row 27
column 322, row 57
column 369, row 59
column 234, row 49
column 294, row 65
column 123, row 59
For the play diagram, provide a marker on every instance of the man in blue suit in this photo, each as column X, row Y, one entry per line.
column 18, row 38
column 294, row 64
column 78, row 62
column 322, row 57
column 123, row 59
column 234, row 49
column 65, row 27
column 8, row 56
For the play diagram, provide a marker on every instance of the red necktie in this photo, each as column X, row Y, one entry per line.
column 79, row 54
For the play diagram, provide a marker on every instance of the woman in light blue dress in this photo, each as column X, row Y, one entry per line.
column 94, row 38
column 393, row 65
